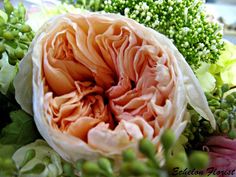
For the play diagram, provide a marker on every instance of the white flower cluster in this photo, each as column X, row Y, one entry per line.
column 184, row 21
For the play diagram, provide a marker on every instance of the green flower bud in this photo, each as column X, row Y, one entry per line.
column 198, row 160
column 91, row 168
column 232, row 134
column 21, row 10
column 29, row 155
column 168, row 139
column 105, row 164
column 224, row 127
column 224, row 114
column 19, row 53
column 8, row 7
column 229, row 99
column 128, row 155
column 8, row 35
column 147, row 148
column 25, row 28
column 212, row 109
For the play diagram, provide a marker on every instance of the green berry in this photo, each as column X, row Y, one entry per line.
column 224, row 127
column 168, row 139
column 8, row 7
column 105, row 165
column 8, row 35
column 25, row 28
column 19, row 53
column 128, row 155
column 147, row 148
column 198, row 160
column 91, row 168
column 232, row 134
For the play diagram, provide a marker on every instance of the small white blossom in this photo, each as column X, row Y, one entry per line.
column 159, row 2
column 148, row 18
column 126, row 11
column 145, row 6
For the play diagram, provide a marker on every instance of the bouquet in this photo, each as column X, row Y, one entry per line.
column 116, row 88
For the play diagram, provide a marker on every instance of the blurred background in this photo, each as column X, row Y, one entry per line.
column 225, row 12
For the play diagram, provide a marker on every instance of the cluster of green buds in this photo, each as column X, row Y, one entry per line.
column 38, row 159
column 15, row 34
column 92, row 5
column 150, row 166
column 222, row 102
column 184, row 21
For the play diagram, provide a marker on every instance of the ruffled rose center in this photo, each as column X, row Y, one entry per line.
column 106, row 82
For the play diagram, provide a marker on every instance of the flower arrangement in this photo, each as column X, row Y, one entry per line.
column 116, row 88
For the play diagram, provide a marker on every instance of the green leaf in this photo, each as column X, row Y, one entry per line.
column 7, row 74
column 6, row 151
column 21, row 131
column 38, row 159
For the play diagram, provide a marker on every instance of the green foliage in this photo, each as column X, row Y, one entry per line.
column 15, row 34
column 17, row 132
column 222, row 102
column 183, row 21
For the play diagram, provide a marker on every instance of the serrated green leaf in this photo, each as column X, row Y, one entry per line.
column 21, row 131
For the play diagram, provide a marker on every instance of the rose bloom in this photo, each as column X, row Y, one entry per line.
column 222, row 152
column 101, row 82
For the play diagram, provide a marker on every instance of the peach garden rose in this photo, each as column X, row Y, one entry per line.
column 98, row 83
